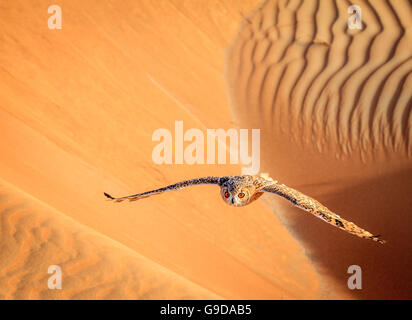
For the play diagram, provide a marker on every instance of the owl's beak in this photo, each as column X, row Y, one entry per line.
column 233, row 200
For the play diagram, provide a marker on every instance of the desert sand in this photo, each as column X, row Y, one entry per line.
column 78, row 107
column 334, row 105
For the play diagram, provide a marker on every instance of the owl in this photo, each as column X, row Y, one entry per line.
column 242, row 190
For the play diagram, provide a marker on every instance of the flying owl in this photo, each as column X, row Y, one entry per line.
column 239, row 191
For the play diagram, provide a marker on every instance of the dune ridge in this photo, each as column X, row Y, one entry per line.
column 334, row 109
column 78, row 107
column 35, row 236
column 157, row 231
column 299, row 60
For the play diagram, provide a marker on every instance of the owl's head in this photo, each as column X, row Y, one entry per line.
column 235, row 196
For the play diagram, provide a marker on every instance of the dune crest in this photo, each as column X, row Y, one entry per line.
column 303, row 71
column 35, row 236
column 334, row 108
column 78, row 108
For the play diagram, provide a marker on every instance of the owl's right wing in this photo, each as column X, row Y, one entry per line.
column 316, row 208
column 172, row 187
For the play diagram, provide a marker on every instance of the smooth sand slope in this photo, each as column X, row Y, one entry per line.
column 34, row 235
column 78, row 108
column 334, row 106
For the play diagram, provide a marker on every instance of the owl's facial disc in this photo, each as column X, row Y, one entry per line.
column 234, row 197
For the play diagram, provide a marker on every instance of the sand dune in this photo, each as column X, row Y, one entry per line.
column 35, row 236
column 334, row 106
column 300, row 61
column 78, row 107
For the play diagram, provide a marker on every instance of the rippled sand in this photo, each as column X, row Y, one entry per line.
column 94, row 266
column 78, row 108
column 297, row 68
column 334, row 106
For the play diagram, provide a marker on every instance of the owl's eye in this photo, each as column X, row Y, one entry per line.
column 227, row 194
column 241, row 195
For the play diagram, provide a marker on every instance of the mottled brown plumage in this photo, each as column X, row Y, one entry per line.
column 242, row 190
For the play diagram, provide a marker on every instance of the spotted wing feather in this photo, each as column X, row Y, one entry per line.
column 316, row 208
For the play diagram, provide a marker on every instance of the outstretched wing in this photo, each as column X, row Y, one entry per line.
column 314, row 207
column 172, row 187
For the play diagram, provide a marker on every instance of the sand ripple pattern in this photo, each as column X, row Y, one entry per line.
column 34, row 236
column 295, row 66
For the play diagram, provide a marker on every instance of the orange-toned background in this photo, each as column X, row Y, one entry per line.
column 78, row 107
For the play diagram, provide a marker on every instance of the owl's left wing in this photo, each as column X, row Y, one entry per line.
column 172, row 187
column 316, row 208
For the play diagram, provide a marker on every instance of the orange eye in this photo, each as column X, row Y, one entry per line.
column 241, row 195
column 227, row 194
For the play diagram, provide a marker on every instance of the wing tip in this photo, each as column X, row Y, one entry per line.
column 377, row 239
column 108, row 196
